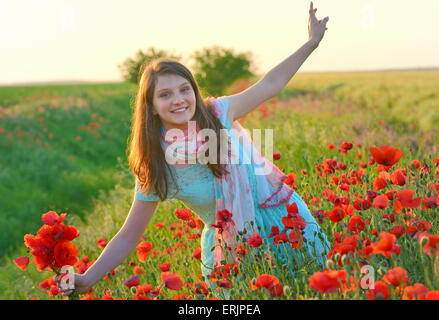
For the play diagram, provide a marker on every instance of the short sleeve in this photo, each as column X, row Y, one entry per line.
column 221, row 106
column 142, row 195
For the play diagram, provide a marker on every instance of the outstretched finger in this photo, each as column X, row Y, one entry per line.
column 312, row 14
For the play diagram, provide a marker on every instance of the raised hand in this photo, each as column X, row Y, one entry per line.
column 316, row 28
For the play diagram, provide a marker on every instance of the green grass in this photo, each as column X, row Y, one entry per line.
column 58, row 163
column 95, row 187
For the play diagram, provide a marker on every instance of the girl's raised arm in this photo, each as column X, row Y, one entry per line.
column 276, row 79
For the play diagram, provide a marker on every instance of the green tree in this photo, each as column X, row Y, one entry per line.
column 131, row 67
column 216, row 68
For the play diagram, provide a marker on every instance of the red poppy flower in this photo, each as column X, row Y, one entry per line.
column 385, row 245
column 66, row 253
column 47, row 283
column 223, row 218
column 422, row 225
column 417, row 291
column 386, row 155
column 356, row 224
column 396, row 277
column 349, row 244
column 280, row 238
column 54, row 291
column 197, row 253
column 223, row 283
column 201, row 287
column 183, row 214
column 22, row 262
column 294, row 222
column 171, row 280
column 290, row 179
column 398, row 178
column 381, row 202
column 269, row 282
column 68, row 233
column 142, row 289
column 336, row 214
column 165, row 267
column 398, row 230
column 274, row 231
column 296, row 239
column 432, row 246
column 345, row 146
column 276, row 156
column 327, row 281
column 432, row 295
column 132, row 281
column 223, row 271
column 255, row 241
column 101, row 242
column 142, row 250
column 292, row 209
column 51, row 217
column 362, row 204
column 138, row 270
column 431, row 202
column 380, row 292
column 405, row 197
column 160, row 225
column 379, row 183
column 240, row 250
column 391, row 194
column 415, row 165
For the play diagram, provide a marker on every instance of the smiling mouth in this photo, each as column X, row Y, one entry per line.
column 181, row 110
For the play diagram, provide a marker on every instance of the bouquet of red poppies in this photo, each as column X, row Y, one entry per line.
column 51, row 248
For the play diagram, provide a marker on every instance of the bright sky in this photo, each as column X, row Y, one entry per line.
column 86, row 39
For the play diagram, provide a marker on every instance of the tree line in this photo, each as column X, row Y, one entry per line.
column 215, row 68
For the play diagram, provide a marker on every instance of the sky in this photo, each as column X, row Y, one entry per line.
column 86, row 40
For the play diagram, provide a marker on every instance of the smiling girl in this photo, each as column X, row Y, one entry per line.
column 227, row 197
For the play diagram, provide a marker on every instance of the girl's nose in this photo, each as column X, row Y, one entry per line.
column 178, row 100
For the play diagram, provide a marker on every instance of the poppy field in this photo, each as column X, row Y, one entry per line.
column 361, row 149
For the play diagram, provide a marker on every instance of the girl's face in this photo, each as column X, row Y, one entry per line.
column 174, row 101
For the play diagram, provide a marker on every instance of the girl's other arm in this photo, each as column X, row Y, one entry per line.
column 124, row 242
column 276, row 79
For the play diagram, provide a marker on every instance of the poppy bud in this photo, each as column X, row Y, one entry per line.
column 382, row 271
column 424, row 240
column 330, row 264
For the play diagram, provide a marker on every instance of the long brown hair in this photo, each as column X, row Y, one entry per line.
column 146, row 157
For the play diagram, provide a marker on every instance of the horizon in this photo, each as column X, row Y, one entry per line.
column 79, row 81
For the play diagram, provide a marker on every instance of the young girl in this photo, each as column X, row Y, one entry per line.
column 227, row 197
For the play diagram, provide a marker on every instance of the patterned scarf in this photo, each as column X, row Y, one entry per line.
column 235, row 204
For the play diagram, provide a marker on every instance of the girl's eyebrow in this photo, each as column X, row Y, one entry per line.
column 183, row 84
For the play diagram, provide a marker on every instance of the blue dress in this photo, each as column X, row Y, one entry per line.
column 197, row 191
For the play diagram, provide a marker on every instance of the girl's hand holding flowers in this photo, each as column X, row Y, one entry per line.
column 80, row 282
